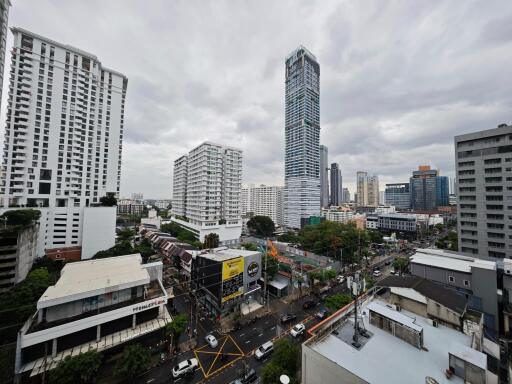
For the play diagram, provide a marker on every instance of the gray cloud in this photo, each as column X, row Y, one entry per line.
column 398, row 79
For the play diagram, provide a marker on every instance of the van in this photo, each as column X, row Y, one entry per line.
column 264, row 350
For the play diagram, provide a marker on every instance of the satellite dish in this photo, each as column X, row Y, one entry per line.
column 284, row 379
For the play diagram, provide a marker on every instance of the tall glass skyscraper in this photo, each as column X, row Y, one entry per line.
column 324, row 177
column 302, row 131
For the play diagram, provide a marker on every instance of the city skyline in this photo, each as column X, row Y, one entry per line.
column 414, row 126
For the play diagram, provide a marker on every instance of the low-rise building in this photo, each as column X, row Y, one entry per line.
column 423, row 351
column 226, row 278
column 96, row 304
column 130, row 207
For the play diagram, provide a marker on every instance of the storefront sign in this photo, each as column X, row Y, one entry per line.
column 253, row 268
column 148, row 305
column 232, row 278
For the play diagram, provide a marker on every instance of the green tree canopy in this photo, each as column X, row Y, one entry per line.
column 262, row 226
column 289, row 237
column 176, row 327
column 211, row 240
column 272, row 266
column 285, row 360
column 121, row 248
column 400, row 264
column 337, row 301
column 125, row 234
column 109, row 200
column 250, row 246
column 134, row 361
column 21, row 217
column 80, row 369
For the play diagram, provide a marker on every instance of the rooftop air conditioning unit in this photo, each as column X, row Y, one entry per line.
column 435, row 323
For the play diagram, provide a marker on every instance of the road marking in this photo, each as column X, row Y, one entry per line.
column 261, row 334
column 248, row 341
column 254, row 329
column 242, row 334
column 150, row 380
column 217, row 356
column 274, row 327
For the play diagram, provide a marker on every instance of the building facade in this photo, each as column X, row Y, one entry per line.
column 484, row 182
column 324, row 176
column 362, row 188
column 373, row 191
column 64, row 133
column 302, row 137
column 429, row 190
column 264, row 200
column 345, row 195
column 4, row 19
column 398, row 195
column 211, row 201
column 336, row 185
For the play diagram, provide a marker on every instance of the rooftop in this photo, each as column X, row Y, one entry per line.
column 450, row 260
column 94, row 277
column 411, row 365
column 222, row 254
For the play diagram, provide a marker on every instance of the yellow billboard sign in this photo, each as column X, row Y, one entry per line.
column 232, row 278
column 232, row 268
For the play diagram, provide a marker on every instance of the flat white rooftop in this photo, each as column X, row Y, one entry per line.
column 93, row 277
column 386, row 359
column 447, row 260
column 222, row 254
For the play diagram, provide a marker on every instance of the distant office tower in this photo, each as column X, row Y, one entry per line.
column 484, row 182
column 428, row 189
column 138, row 196
column 302, row 137
column 4, row 18
column 211, row 201
column 345, row 195
column 362, row 188
column 324, row 177
column 373, row 191
column 398, row 195
column 264, row 200
column 63, row 139
column 336, row 186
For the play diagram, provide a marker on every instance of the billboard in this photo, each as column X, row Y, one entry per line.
column 232, row 278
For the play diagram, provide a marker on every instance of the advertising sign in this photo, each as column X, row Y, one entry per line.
column 232, row 278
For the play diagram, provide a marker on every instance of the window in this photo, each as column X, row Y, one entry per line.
column 451, row 279
column 466, row 283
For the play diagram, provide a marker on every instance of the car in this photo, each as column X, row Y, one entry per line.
column 298, row 330
column 308, row 304
column 322, row 314
column 211, row 340
column 377, row 273
column 340, row 279
column 264, row 350
column 186, row 366
column 249, row 377
column 286, row 318
column 388, row 262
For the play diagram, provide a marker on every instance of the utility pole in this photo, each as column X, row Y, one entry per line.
column 266, row 272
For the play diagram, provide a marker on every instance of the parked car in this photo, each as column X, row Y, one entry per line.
column 184, row 367
column 249, row 377
column 308, row 304
column 377, row 273
column 264, row 350
column 286, row 318
column 298, row 330
column 211, row 340
column 322, row 314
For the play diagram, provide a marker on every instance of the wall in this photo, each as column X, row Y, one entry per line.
column 318, row 369
column 485, row 286
column 27, row 251
column 447, row 316
column 441, row 275
column 99, row 226
column 409, row 304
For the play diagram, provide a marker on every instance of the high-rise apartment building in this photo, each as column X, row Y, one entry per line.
column 346, row 195
column 63, row 138
column 484, row 182
column 302, row 137
column 264, row 200
column 336, row 185
column 362, row 188
column 211, row 200
column 428, row 189
column 398, row 195
column 324, row 177
column 4, row 18
column 373, row 191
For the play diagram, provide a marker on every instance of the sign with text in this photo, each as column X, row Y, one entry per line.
column 232, row 278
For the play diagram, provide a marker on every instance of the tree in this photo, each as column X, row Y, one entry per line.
column 262, row 226
column 125, row 234
column 337, row 301
column 21, row 217
column 288, row 237
column 270, row 373
column 176, row 327
column 450, row 241
column 120, row 249
column 272, row 266
column 78, row 369
column 285, row 360
column 109, row 200
column 144, row 248
column 400, row 264
column 134, row 361
column 211, row 240
column 250, row 246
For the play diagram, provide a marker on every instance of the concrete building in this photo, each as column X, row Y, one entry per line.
column 338, row 215
column 472, row 276
column 507, row 298
column 373, row 191
column 428, row 189
column 302, row 138
column 398, row 195
column 264, row 200
column 227, row 278
column 138, row 196
column 345, row 193
column 213, row 192
column 63, row 137
column 18, row 250
column 336, row 185
column 324, row 177
column 484, row 182
column 4, row 18
column 130, row 207
column 95, row 304
column 362, row 188
column 336, row 354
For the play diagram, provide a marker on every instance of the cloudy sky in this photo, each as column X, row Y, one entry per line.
column 398, row 78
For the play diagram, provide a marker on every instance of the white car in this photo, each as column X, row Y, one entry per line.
column 376, row 273
column 184, row 367
column 211, row 340
column 297, row 330
column 264, row 350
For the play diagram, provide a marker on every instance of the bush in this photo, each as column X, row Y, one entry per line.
column 337, row 301
column 135, row 361
column 77, row 370
column 21, row 217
